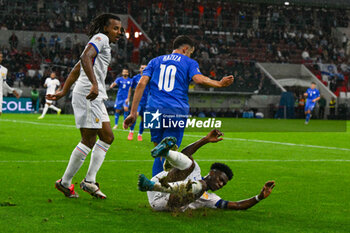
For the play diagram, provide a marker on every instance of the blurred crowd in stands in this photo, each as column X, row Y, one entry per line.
column 230, row 37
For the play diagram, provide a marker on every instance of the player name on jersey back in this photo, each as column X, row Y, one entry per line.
column 172, row 57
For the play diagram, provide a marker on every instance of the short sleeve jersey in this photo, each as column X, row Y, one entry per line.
column 312, row 94
column 100, row 67
column 170, row 76
column 52, row 85
column 123, row 87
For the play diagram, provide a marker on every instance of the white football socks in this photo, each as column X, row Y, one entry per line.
column 97, row 156
column 46, row 107
column 54, row 108
column 76, row 160
column 179, row 160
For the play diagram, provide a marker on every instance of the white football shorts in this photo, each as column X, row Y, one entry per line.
column 89, row 114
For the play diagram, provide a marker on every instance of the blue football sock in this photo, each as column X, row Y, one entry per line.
column 308, row 116
column 157, row 166
column 126, row 114
column 141, row 127
column 133, row 126
column 116, row 118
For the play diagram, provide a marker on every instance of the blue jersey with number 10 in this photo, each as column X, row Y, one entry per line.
column 170, row 76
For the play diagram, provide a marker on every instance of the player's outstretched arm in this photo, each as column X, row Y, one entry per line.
column 204, row 80
column 112, row 85
column 317, row 99
column 213, row 136
column 248, row 203
column 86, row 62
column 7, row 87
column 135, row 103
column 71, row 79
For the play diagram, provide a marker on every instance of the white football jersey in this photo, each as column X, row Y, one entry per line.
column 52, row 85
column 208, row 200
column 3, row 84
column 100, row 66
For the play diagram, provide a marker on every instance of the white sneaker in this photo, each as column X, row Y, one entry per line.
column 115, row 127
column 93, row 189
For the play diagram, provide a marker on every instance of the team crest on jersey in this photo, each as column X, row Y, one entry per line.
column 205, row 195
column 97, row 120
column 2, row 74
column 98, row 38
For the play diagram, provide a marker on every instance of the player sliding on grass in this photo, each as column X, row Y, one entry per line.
column 183, row 186
column 313, row 95
column 90, row 113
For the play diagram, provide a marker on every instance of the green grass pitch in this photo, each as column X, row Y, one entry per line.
column 311, row 170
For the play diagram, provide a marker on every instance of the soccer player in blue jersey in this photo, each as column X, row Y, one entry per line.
column 312, row 96
column 142, row 106
column 123, row 83
column 168, row 77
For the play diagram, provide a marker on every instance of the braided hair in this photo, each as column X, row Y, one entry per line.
column 98, row 23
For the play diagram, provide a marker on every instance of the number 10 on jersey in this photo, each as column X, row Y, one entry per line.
column 167, row 78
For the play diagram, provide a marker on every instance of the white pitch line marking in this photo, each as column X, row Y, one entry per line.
column 192, row 135
column 198, row 160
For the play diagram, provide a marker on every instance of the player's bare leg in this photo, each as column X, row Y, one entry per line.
column 89, row 184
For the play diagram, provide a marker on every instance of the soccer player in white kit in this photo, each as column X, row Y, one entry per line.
column 3, row 84
column 183, row 186
column 90, row 113
column 51, row 84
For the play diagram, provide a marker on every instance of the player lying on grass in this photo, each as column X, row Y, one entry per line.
column 183, row 186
